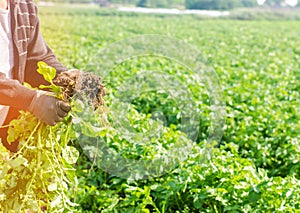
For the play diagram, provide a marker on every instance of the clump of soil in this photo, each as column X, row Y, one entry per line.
column 82, row 85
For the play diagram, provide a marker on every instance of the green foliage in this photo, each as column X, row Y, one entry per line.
column 265, row 14
column 142, row 3
column 227, row 183
column 49, row 74
column 230, row 4
column 159, row 3
column 218, row 4
column 189, row 4
column 36, row 178
column 256, row 168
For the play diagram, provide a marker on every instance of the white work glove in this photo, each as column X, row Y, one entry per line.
column 48, row 108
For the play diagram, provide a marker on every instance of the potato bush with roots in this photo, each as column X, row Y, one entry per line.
column 38, row 177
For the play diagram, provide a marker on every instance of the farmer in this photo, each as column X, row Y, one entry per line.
column 22, row 47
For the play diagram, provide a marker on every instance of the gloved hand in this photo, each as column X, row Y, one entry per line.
column 48, row 108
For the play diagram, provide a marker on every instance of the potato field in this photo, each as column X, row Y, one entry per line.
column 247, row 160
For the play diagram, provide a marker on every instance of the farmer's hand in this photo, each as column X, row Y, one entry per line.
column 48, row 108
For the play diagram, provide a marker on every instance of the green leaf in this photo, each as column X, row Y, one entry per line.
column 56, row 201
column 18, row 162
column 52, row 187
column 254, row 196
column 47, row 71
column 70, row 154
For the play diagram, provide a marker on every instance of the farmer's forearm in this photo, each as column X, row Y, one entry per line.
column 14, row 94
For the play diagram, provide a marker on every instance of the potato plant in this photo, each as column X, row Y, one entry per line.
column 38, row 177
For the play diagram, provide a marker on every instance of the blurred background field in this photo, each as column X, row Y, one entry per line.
column 239, row 11
column 256, row 54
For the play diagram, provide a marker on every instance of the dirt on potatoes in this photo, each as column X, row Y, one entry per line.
column 82, row 85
